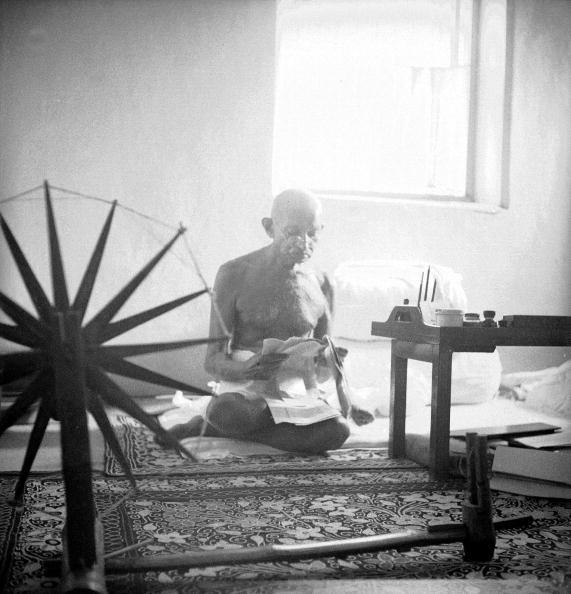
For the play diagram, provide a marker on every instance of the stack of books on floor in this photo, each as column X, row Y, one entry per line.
column 531, row 459
column 528, row 459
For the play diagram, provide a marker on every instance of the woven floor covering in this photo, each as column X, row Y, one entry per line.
column 253, row 503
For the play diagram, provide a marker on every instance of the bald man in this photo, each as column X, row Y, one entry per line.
column 273, row 292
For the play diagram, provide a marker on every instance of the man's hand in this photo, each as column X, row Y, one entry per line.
column 360, row 416
column 263, row 367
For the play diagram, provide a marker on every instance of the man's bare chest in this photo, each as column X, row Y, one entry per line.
column 295, row 300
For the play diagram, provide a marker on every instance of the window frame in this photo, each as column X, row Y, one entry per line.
column 489, row 118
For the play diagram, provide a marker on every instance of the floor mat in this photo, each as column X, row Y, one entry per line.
column 219, row 455
column 249, row 509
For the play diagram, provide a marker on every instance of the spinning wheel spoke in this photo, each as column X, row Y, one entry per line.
column 61, row 299
column 40, row 386
column 130, row 350
column 88, row 280
column 97, row 410
column 16, row 334
column 134, row 371
column 114, row 395
column 18, row 365
column 126, row 324
column 36, row 437
column 31, row 328
column 93, row 329
column 39, row 298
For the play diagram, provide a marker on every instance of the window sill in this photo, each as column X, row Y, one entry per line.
column 425, row 201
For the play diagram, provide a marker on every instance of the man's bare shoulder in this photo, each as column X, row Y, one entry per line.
column 246, row 260
column 234, row 269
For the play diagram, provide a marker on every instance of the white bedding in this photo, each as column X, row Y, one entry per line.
column 495, row 412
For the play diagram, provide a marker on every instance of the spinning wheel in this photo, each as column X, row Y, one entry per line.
column 66, row 363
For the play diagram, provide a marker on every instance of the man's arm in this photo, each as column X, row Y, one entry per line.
column 218, row 362
column 349, row 410
column 323, row 328
column 222, row 313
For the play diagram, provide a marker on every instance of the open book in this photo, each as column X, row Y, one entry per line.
column 297, row 403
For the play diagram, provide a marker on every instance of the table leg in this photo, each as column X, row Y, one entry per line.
column 440, row 413
column 397, row 442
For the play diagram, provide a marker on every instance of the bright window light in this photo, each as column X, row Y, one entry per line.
column 374, row 97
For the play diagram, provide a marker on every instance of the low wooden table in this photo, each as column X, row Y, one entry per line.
column 413, row 339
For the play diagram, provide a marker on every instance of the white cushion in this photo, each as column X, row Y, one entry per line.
column 368, row 290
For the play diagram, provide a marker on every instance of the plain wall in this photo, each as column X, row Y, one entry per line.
column 167, row 107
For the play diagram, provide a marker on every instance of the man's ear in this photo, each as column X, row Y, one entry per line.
column 268, row 225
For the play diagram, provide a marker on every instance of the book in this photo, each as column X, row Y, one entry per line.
column 553, row 441
column 297, row 403
column 538, row 473
column 507, row 431
column 301, row 410
column 519, row 486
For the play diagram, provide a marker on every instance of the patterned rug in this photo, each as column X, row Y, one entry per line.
column 149, row 459
column 253, row 508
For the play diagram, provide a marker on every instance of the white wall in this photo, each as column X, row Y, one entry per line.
column 166, row 106
column 516, row 261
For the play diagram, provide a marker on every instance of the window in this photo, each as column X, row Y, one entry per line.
column 393, row 98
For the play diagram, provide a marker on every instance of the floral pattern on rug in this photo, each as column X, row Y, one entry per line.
column 209, row 512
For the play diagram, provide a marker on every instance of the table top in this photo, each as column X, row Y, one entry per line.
column 410, row 327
